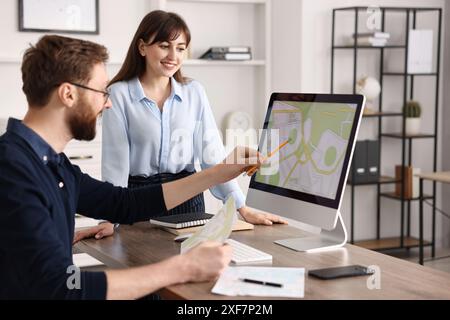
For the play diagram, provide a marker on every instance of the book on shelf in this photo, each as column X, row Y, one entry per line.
column 231, row 49
column 225, row 53
column 369, row 41
column 376, row 34
column 374, row 39
column 407, row 181
column 239, row 225
column 184, row 220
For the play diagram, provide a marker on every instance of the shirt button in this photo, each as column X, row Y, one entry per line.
column 45, row 158
column 61, row 184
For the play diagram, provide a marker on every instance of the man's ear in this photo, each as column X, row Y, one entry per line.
column 67, row 94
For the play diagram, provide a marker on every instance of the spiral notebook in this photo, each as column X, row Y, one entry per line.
column 185, row 220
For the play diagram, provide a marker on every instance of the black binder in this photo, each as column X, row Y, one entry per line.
column 358, row 173
column 185, row 220
column 373, row 163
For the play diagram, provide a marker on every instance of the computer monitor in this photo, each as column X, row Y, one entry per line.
column 304, row 180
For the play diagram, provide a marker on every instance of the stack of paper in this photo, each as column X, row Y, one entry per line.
column 84, row 260
column 84, row 222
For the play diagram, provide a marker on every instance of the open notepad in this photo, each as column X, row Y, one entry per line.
column 240, row 281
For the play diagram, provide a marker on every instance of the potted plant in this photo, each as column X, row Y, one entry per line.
column 412, row 112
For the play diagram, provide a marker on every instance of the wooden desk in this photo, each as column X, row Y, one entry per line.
column 142, row 244
column 442, row 177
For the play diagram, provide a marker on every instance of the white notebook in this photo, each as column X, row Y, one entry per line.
column 84, row 260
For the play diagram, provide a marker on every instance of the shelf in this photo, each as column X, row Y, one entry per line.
column 381, row 180
column 224, row 1
column 370, row 47
column 390, row 243
column 390, row 9
column 411, row 16
column 202, row 62
column 392, row 195
column 10, row 60
column 409, row 74
column 382, row 114
column 399, row 135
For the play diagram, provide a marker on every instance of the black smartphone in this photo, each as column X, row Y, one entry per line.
column 340, row 272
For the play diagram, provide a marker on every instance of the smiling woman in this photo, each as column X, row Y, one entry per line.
column 152, row 104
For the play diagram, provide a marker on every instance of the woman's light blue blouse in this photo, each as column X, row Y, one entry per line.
column 140, row 140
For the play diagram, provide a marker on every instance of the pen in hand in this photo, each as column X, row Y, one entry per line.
column 264, row 283
column 253, row 169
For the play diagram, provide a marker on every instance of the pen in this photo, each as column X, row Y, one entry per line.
column 254, row 168
column 264, row 283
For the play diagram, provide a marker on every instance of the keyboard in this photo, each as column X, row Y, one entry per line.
column 244, row 254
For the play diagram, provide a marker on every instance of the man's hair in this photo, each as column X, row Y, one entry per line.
column 55, row 60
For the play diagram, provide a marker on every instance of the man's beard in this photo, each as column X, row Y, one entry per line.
column 82, row 121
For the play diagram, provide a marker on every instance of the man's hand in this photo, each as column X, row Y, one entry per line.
column 203, row 263
column 104, row 229
column 206, row 261
column 252, row 216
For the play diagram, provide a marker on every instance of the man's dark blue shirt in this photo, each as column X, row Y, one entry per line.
column 40, row 192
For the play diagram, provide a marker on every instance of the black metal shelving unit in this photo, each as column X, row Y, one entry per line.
column 406, row 140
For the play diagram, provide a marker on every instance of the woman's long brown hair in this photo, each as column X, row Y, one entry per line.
column 162, row 26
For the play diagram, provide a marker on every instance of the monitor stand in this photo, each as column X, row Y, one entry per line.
column 326, row 240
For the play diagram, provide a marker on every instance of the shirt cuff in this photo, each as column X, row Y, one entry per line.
column 94, row 285
column 239, row 199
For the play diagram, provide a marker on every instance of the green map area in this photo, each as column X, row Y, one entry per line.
column 318, row 135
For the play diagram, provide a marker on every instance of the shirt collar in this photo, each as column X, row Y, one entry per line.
column 137, row 92
column 176, row 89
column 42, row 149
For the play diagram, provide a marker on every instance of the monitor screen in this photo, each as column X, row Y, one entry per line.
column 314, row 135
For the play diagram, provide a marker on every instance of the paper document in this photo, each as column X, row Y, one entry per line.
column 218, row 228
column 420, row 51
column 84, row 222
column 292, row 282
column 85, row 260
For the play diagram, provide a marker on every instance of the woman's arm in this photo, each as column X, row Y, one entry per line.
column 102, row 200
column 209, row 150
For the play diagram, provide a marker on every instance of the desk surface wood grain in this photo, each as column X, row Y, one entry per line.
column 143, row 244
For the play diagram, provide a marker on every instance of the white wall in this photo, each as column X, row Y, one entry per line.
column 118, row 22
column 286, row 45
column 309, row 39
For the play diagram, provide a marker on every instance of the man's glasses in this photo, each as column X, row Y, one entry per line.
column 106, row 94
